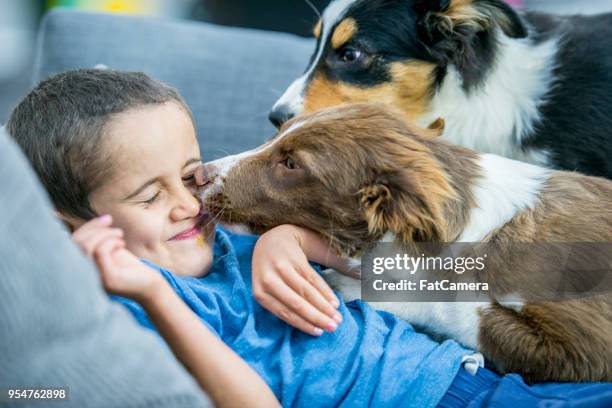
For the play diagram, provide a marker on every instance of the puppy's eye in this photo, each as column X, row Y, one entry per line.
column 290, row 163
column 350, row 55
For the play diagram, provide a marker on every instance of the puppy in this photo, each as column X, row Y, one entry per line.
column 358, row 175
column 531, row 87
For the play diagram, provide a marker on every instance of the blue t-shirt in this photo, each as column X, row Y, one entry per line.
column 373, row 358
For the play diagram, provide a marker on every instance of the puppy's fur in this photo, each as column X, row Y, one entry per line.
column 359, row 174
column 532, row 87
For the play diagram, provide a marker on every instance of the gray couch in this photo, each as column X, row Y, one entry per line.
column 57, row 327
column 230, row 77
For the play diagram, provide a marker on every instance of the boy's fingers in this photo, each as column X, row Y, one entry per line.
column 103, row 251
column 318, row 282
column 289, row 317
column 93, row 224
column 298, row 305
column 96, row 238
column 310, row 293
column 109, row 245
column 84, row 234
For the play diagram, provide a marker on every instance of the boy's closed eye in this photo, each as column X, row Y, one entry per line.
column 190, row 182
column 149, row 202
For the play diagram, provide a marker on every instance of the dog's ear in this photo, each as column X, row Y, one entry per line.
column 445, row 26
column 397, row 202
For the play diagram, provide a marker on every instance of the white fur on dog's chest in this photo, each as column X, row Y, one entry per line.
column 506, row 188
column 457, row 320
column 497, row 115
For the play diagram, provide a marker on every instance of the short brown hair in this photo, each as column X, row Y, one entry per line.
column 61, row 123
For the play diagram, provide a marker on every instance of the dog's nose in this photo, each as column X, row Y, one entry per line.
column 280, row 115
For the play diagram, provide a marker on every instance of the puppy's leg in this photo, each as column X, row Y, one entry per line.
column 554, row 341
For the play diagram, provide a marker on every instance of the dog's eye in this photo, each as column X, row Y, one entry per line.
column 290, row 163
column 349, row 55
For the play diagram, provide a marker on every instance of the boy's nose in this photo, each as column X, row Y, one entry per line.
column 189, row 207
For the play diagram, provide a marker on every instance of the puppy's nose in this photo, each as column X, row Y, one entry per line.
column 280, row 115
column 205, row 174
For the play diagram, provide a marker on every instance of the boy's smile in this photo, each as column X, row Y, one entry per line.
column 155, row 153
column 188, row 233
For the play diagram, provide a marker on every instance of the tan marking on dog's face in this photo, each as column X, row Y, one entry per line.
column 344, row 32
column 316, row 31
column 413, row 86
column 410, row 90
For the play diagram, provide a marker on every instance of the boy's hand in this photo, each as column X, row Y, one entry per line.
column 285, row 284
column 121, row 272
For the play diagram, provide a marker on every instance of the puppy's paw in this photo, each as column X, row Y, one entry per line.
column 472, row 362
column 349, row 288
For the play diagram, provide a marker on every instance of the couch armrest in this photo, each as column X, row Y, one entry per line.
column 57, row 326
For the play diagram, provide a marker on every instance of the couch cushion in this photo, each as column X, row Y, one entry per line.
column 57, row 326
column 230, row 77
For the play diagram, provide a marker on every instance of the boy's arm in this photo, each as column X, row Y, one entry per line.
column 319, row 251
column 286, row 284
column 228, row 380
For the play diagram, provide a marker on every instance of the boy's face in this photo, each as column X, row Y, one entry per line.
column 155, row 152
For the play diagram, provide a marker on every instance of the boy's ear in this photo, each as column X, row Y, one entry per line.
column 72, row 223
column 450, row 25
column 397, row 203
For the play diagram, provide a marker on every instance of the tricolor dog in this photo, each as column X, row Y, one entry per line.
column 358, row 174
column 531, row 87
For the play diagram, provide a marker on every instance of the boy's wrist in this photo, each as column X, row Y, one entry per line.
column 153, row 291
column 289, row 230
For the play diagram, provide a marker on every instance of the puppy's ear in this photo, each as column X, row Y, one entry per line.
column 397, row 202
column 445, row 26
column 375, row 199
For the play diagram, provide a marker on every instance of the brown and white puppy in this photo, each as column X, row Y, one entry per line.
column 358, row 175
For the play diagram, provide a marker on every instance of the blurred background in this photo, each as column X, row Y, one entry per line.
column 19, row 21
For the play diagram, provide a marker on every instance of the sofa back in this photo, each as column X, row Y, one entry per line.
column 230, row 77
